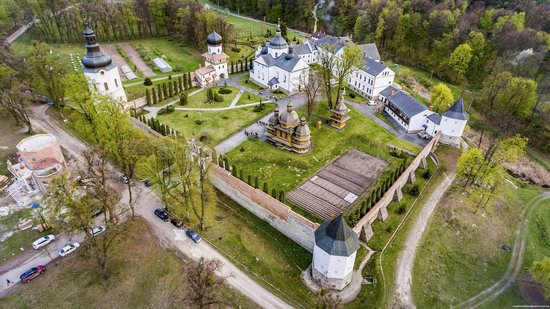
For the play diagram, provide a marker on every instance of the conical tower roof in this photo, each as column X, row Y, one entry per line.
column 336, row 238
column 456, row 111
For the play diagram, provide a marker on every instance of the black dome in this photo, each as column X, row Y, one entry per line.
column 214, row 39
column 94, row 57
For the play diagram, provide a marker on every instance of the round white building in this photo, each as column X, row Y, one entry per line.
column 100, row 70
column 336, row 245
column 453, row 123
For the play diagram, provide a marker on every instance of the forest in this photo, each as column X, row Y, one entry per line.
column 497, row 50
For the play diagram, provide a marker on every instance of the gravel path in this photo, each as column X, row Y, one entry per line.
column 136, row 59
column 405, row 262
column 115, row 55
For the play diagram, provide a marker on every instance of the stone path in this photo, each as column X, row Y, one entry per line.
column 136, row 59
column 237, row 98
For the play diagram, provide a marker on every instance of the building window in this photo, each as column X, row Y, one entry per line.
column 116, row 83
column 106, row 86
column 102, row 73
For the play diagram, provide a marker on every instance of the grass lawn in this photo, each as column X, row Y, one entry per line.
column 247, row 98
column 260, row 250
column 219, row 125
column 371, row 296
column 284, row 170
column 381, row 117
column 143, row 275
column 10, row 247
column 460, row 254
column 180, row 56
column 199, row 100
column 357, row 98
column 247, row 83
column 242, row 51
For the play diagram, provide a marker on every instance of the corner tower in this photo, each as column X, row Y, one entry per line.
column 336, row 246
column 453, row 123
column 215, row 55
column 100, row 70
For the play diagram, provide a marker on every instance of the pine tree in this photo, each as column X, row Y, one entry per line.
column 234, row 170
column 164, row 91
column 282, row 196
column 241, row 174
column 249, row 180
column 363, row 208
column 226, row 164
column 176, row 87
column 232, row 67
column 266, row 188
column 274, row 193
column 155, row 101
column 256, row 183
column 159, row 93
column 189, row 80
column 170, row 89
column 148, row 96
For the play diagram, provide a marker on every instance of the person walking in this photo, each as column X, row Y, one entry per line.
column 8, row 281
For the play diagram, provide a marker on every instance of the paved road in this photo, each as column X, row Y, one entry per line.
column 516, row 262
column 405, row 262
column 146, row 203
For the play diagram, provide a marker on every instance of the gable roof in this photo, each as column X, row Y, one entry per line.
column 456, row 111
column 336, row 238
column 370, row 50
column 331, row 41
column 406, row 103
column 283, row 62
column 273, row 81
column 302, row 49
column 435, row 118
column 388, row 90
column 373, row 67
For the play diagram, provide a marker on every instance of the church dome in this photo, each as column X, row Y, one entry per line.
column 94, row 58
column 290, row 54
column 264, row 50
column 303, row 129
column 214, row 39
column 274, row 120
column 290, row 117
column 278, row 42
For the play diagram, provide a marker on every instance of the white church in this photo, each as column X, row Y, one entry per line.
column 215, row 62
column 100, row 70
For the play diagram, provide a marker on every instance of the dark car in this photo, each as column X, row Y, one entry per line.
column 193, row 235
column 32, row 273
column 43, row 99
column 177, row 223
column 162, row 214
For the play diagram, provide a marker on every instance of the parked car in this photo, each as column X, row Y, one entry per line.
column 193, row 235
column 69, row 248
column 97, row 230
column 162, row 214
column 42, row 241
column 371, row 103
column 124, row 178
column 32, row 273
column 43, row 99
column 177, row 223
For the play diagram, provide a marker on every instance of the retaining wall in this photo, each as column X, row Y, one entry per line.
column 379, row 210
column 277, row 214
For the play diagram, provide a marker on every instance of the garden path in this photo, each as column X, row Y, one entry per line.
column 237, row 98
column 136, row 59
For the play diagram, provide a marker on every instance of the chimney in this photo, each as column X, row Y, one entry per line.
column 392, row 93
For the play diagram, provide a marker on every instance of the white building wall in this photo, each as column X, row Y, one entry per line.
column 336, row 267
column 417, row 121
column 382, row 81
column 431, row 128
column 452, row 127
column 107, row 82
column 215, row 49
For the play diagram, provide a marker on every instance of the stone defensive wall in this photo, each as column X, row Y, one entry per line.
column 380, row 210
column 277, row 214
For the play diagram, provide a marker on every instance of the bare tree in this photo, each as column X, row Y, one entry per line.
column 206, row 190
column 204, row 283
column 16, row 105
column 311, row 88
column 133, row 150
column 328, row 61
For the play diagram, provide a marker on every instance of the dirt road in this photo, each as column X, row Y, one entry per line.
column 169, row 236
column 115, row 55
column 516, row 262
column 405, row 262
column 136, row 59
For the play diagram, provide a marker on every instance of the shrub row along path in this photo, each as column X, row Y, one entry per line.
column 136, row 59
column 405, row 262
column 146, row 202
column 516, row 262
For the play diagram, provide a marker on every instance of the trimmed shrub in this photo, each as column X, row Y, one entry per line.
column 148, row 96
column 242, row 149
column 274, row 193
column 427, row 174
column 282, row 196
column 256, row 182
column 234, row 170
column 147, row 81
column 184, row 98
column 401, row 210
column 199, row 122
column 218, row 98
column 266, row 188
column 352, row 95
column 225, row 91
column 415, row 190
column 155, row 99
column 241, row 175
column 249, row 180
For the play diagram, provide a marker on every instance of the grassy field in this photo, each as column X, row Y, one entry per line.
column 179, row 55
column 217, row 124
column 356, row 99
column 10, row 247
column 143, row 275
column 460, row 254
column 247, row 83
column 9, row 138
column 379, row 295
column 200, row 99
column 260, row 250
column 285, row 170
column 247, row 98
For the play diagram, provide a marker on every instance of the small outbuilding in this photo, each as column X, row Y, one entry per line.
column 163, row 66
